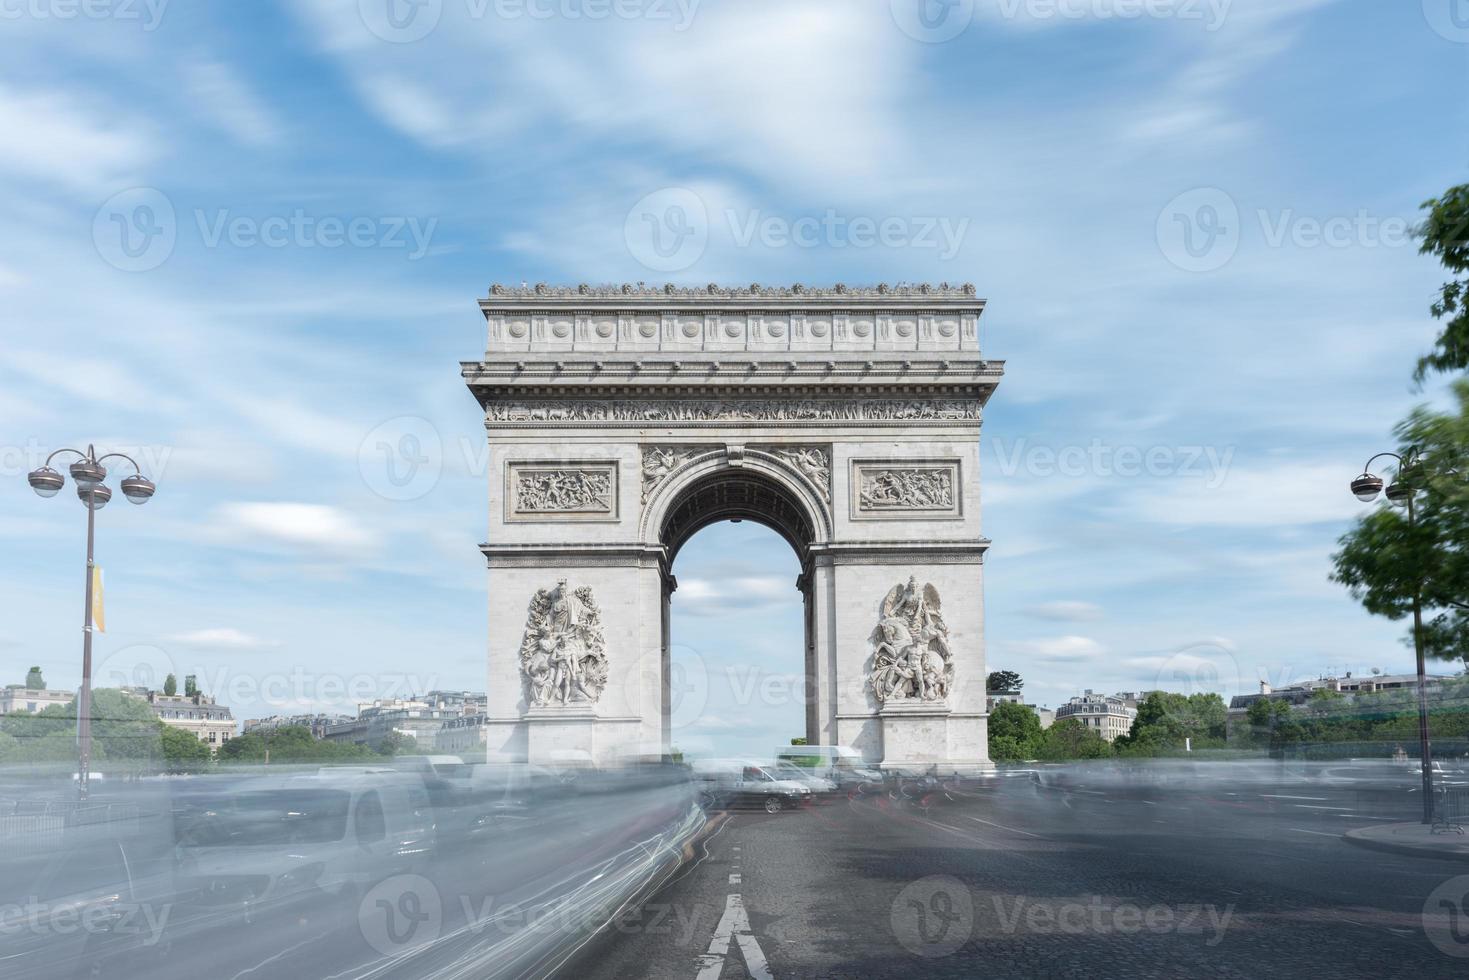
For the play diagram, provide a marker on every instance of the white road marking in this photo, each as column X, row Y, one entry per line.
column 1318, row 833
column 733, row 927
column 1003, row 827
column 1311, row 806
column 734, row 879
column 1313, row 799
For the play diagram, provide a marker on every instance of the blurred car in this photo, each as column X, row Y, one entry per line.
column 820, row 786
column 95, row 902
column 737, row 782
column 840, row 764
column 271, row 844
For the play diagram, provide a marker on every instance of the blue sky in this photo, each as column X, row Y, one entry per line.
column 1187, row 217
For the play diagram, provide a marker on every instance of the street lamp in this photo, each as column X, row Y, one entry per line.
column 88, row 473
column 1401, row 491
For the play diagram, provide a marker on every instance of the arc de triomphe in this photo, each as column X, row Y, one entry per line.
column 622, row 420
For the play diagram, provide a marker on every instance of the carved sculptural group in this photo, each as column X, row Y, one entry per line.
column 911, row 657
column 562, row 655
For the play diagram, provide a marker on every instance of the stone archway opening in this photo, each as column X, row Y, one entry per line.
column 738, row 641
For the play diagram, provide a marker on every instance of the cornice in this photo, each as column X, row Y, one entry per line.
column 641, row 295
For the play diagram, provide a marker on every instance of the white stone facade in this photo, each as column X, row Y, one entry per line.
column 621, row 420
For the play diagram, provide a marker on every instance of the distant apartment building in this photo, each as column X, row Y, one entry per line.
column 1299, row 695
column 197, row 714
column 316, row 724
column 1107, row 715
column 466, row 735
column 420, row 717
column 18, row 699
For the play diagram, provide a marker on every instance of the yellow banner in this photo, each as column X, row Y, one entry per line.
column 99, row 617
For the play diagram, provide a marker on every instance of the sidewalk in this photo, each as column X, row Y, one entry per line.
column 1411, row 838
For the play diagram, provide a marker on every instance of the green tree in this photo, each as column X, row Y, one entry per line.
column 183, row 752
column 398, row 743
column 291, row 744
column 799, row 741
column 1384, row 562
column 1003, row 680
column 125, row 732
column 191, row 685
column 1070, row 739
column 1445, row 234
column 1167, row 722
column 170, row 685
column 1014, row 732
column 34, row 680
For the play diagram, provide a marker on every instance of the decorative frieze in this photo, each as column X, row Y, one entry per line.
column 911, row 659
column 905, row 490
column 659, row 461
column 563, row 655
column 813, row 462
column 575, row 491
column 734, row 410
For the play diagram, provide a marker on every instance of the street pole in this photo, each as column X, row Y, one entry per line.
column 1423, row 747
column 84, row 700
column 90, row 476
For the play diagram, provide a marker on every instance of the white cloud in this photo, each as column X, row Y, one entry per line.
column 834, row 69
column 1066, row 610
column 224, row 99
column 1249, row 496
column 309, row 527
column 1067, row 648
column 713, row 597
column 84, row 145
column 221, row 638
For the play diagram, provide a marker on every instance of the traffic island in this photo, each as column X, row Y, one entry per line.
column 1412, row 838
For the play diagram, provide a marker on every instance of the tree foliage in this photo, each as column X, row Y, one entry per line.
column 291, row 744
column 1004, row 680
column 1384, row 561
column 34, row 680
column 1445, row 234
column 170, row 685
column 1070, row 739
column 1167, row 722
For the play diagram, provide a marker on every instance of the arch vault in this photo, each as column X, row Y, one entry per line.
column 622, row 420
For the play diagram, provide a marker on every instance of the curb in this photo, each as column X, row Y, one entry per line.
column 1373, row 844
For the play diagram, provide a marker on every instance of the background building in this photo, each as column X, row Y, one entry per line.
column 28, row 700
column 317, row 724
column 1107, row 715
column 420, row 717
column 198, row 714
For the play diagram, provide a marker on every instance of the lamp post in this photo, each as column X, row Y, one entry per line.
column 89, row 474
column 1401, row 491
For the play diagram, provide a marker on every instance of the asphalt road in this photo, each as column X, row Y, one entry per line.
column 1081, row 876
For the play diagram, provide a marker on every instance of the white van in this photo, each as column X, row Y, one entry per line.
column 742, row 782
column 840, row 764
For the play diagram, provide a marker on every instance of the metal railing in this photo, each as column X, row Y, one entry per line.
column 1451, row 810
